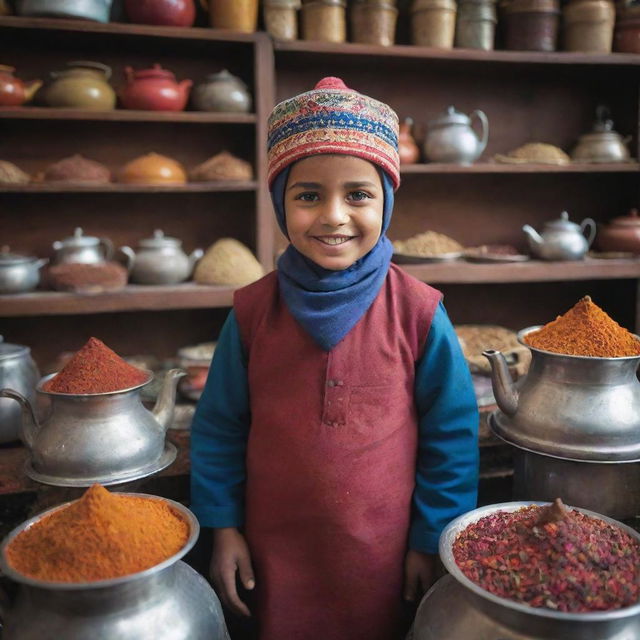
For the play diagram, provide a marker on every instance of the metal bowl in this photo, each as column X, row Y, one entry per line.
column 532, row 622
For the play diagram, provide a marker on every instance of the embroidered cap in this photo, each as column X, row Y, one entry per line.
column 332, row 118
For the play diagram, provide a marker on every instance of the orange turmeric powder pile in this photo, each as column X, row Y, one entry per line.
column 585, row 330
column 100, row 536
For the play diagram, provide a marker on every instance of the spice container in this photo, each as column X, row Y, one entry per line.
column 234, row 15
column 531, row 25
column 433, row 23
column 324, row 20
column 281, row 18
column 588, row 25
column 373, row 23
column 626, row 37
column 475, row 24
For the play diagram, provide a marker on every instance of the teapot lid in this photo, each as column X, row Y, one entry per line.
column 78, row 239
column 155, row 72
column 450, row 116
column 87, row 64
column 159, row 240
column 8, row 350
column 562, row 223
column 7, row 258
column 630, row 220
column 222, row 76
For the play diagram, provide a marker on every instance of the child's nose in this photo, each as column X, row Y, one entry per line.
column 334, row 212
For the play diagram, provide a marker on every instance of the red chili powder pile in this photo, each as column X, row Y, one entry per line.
column 101, row 536
column 574, row 564
column 95, row 369
column 585, row 330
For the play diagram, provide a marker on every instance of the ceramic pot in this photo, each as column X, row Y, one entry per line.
column 83, row 86
column 234, row 15
column 433, row 23
column 170, row 13
column 221, row 92
column 531, row 25
column 324, row 21
column 408, row 150
column 98, row 10
column 588, row 25
column 154, row 89
column 626, row 37
column 153, row 168
column 621, row 234
column 13, row 91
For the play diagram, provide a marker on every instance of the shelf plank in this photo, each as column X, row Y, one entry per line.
column 125, row 115
column 132, row 298
column 190, row 187
column 459, row 55
column 126, row 29
column 460, row 272
column 495, row 167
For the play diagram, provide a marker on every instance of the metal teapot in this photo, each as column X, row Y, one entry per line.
column 81, row 248
column 18, row 371
column 561, row 239
column 160, row 260
column 19, row 273
column 602, row 144
column 98, row 437
column 451, row 138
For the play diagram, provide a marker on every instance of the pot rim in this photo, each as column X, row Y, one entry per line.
column 523, row 332
column 455, row 527
column 42, row 381
column 9, row 571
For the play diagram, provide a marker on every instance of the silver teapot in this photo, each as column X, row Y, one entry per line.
column 160, row 260
column 451, row 138
column 83, row 249
column 602, row 144
column 561, row 239
column 19, row 273
column 18, row 371
column 107, row 438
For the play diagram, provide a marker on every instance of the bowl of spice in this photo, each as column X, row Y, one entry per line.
column 429, row 246
column 111, row 564
column 547, row 570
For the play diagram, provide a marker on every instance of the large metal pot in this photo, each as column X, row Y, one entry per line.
column 458, row 609
column 98, row 10
column 18, row 371
column 19, row 273
column 167, row 602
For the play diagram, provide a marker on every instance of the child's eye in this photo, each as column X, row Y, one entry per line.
column 358, row 195
column 307, row 196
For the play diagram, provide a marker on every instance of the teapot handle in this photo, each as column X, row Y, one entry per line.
column 108, row 248
column 130, row 255
column 485, row 128
column 590, row 223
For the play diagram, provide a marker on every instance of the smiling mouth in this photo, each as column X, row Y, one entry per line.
column 333, row 240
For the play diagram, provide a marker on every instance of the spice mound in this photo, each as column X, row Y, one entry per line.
column 429, row 243
column 95, row 369
column 585, row 330
column 551, row 557
column 98, row 537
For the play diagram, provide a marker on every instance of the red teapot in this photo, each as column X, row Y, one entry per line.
column 154, row 89
column 13, row 91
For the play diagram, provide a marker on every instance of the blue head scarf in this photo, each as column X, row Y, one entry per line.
column 328, row 303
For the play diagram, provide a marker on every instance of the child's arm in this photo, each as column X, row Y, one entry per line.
column 447, row 467
column 218, row 446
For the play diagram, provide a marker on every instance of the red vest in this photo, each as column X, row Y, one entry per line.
column 331, row 462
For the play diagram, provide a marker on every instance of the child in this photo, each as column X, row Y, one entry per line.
column 337, row 432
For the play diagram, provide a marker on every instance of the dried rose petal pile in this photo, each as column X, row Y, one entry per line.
column 568, row 562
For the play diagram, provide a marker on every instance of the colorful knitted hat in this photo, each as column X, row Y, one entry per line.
column 333, row 119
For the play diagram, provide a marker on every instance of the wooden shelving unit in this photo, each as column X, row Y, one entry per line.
column 191, row 187
column 495, row 167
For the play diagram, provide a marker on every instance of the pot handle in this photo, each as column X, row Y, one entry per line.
column 130, row 255
column 108, row 248
column 589, row 222
column 40, row 263
column 485, row 128
column 30, row 425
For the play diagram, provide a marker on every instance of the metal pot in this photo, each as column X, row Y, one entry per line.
column 83, row 249
column 18, row 371
column 160, row 260
column 107, row 438
column 610, row 488
column 167, row 602
column 570, row 407
column 19, row 273
column 221, row 91
column 561, row 239
column 97, row 10
column 602, row 144
column 457, row 608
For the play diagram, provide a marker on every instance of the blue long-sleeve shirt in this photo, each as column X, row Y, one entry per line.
column 447, row 462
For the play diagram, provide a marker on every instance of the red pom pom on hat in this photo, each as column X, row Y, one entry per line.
column 331, row 82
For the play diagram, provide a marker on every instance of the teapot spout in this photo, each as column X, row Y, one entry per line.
column 31, row 88
column 534, row 237
column 30, row 425
column 163, row 411
column 503, row 387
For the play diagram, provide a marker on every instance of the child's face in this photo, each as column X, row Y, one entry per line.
column 333, row 206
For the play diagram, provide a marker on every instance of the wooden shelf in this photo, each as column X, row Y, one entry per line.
column 190, row 187
column 460, row 55
column 460, row 272
column 125, row 115
column 126, row 29
column 132, row 298
column 494, row 167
